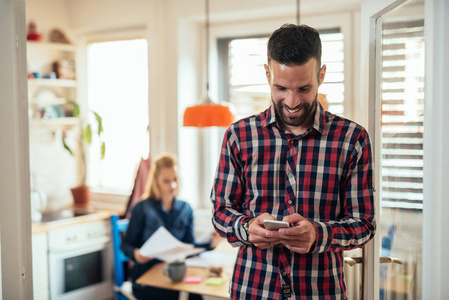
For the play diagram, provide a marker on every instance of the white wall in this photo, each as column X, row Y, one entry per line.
column 48, row 15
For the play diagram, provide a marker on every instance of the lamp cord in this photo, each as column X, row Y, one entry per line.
column 207, row 46
column 297, row 11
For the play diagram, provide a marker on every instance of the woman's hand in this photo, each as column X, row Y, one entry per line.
column 140, row 258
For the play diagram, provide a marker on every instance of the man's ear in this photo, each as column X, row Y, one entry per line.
column 322, row 74
column 267, row 72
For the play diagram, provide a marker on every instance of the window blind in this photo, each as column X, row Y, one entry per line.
column 243, row 82
column 402, row 114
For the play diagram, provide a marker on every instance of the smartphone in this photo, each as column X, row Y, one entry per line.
column 275, row 225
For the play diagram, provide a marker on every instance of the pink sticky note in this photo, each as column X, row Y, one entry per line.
column 193, row 279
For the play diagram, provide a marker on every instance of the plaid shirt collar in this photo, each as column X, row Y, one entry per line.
column 319, row 122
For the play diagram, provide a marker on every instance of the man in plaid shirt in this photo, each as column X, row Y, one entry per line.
column 297, row 163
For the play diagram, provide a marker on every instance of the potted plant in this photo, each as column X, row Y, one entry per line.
column 86, row 132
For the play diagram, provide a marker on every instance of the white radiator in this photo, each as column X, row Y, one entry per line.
column 353, row 276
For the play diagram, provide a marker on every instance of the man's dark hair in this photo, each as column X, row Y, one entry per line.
column 294, row 45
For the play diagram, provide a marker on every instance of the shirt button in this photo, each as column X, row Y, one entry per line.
column 292, row 142
column 290, row 202
column 284, row 273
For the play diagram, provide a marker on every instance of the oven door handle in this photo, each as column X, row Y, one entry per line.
column 80, row 245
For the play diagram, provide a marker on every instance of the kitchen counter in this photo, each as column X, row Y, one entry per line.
column 91, row 217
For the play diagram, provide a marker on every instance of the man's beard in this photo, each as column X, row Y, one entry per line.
column 299, row 120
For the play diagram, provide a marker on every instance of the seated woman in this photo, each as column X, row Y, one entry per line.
column 160, row 208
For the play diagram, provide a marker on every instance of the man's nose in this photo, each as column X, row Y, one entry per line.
column 292, row 99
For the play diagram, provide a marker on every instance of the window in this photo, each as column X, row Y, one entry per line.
column 402, row 114
column 244, row 83
column 117, row 88
column 333, row 57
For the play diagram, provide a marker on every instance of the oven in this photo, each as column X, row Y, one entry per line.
column 80, row 262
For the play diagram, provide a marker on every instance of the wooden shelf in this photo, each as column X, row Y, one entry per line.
column 66, row 121
column 51, row 101
column 52, row 82
column 52, row 46
column 50, row 92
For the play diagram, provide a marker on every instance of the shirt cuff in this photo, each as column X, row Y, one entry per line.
column 324, row 236
column 237, row 226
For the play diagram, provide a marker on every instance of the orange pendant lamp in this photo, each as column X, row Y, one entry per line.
column 208, row 113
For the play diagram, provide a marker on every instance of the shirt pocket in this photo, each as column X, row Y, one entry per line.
column 178, row 228
column 180, row 224
column 153, row 223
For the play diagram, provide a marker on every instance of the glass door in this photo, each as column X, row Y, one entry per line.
column 399, row 109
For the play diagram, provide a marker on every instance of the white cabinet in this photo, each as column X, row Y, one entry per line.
column 40, row 266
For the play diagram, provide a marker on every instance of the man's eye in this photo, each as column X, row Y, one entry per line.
column 305, row 89
column 280, row 88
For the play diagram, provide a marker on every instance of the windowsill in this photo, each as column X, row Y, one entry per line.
column 106, row 200
column 110, row 191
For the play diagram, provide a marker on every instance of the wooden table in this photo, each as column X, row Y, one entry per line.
column 155, row 278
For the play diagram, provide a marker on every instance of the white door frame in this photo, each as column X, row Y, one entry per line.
column 371, row 10
column 436, row 145
column 436, row 142
column 15, row 219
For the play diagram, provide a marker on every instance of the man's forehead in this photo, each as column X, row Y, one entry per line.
column 311, row 60
column 304, row 71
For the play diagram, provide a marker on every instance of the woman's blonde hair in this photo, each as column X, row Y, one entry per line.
column 160, row 162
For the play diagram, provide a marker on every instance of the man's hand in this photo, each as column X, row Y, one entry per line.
column 258, row 235
column 140, row 258
column 301, row 237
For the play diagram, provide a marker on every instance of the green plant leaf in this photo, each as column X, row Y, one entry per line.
column 76, row 108
column 87, row 134
column 103, row 150
column 66, row 147
column 100, row 123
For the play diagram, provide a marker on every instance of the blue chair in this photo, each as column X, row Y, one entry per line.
column 122, row 288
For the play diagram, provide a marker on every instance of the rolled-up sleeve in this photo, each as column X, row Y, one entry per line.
column 357, row 226
column 227, row 192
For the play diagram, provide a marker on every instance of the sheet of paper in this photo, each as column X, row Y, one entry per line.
column 164, row 246
column 213, row 258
